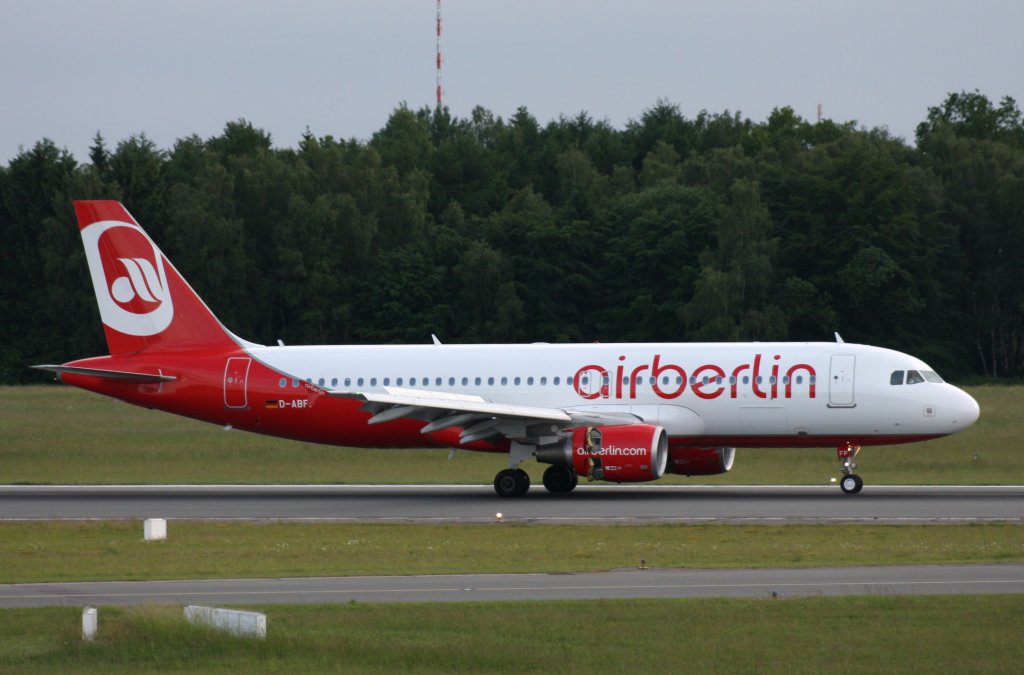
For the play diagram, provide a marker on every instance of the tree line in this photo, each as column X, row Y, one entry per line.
column 482, row 229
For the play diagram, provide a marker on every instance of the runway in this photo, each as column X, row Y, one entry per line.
column 751, row 583
column 478, row 503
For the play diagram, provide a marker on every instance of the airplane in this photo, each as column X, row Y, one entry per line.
column 618, row 413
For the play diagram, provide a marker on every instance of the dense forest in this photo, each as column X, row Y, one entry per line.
column 490, row 230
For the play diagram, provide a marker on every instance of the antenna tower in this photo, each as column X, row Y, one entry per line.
column 439, row 100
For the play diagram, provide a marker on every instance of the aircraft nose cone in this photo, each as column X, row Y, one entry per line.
column 966, row 410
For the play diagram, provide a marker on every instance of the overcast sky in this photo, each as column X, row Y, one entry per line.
column 70, row 68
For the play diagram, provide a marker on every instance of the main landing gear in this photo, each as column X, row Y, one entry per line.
column 558, row 479
column 850, row 483
column 511, row 483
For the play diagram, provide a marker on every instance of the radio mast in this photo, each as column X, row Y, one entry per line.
column 439, row 98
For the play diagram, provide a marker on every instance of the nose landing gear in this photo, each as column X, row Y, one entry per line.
column 850, row 483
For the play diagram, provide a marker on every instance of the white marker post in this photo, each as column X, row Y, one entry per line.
column 90, row 619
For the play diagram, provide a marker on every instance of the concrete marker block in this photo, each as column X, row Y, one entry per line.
column 155, row 528
column 237, row 622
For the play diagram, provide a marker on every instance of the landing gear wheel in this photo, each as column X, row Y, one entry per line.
column 511, row 483
column 560, row 479
column 851, row 484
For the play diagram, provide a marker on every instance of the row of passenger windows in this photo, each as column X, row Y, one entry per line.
column 914, row 377
column 585, row 381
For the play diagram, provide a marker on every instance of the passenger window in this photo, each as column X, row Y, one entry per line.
column 387, row 381
column 543, row 381
column 490, row 381
column 359, row 382
column 282, row 383
column 412, row 381
column 476, row 381
column 295, row 383
column 348, row 381
column 529, row 381
column 373, row 381
column 437, row 381
column 465, row 381
column 896, row 377
column 556, row 380
column 320, row 382
column 451, row 381
column 504, row 381
column 334, row 382
column 398, row 382
column 516, row 381
column 914, row 377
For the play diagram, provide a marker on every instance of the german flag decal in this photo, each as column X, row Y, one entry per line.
column 272, row 405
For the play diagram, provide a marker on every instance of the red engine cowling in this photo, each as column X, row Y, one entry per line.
column 621, row 454
column 700, row 461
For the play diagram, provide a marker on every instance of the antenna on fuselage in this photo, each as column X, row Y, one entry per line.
column 839, row 338
column 434, row 338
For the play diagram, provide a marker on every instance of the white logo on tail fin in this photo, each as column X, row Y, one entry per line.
column 124, row 300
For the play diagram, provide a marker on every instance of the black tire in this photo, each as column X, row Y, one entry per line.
column 511, row 483
column 560, row 479
column 851, row 484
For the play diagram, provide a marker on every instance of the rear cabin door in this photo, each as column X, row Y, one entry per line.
column 840, row 381
column 236, row 377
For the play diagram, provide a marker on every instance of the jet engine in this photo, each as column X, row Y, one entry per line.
column 700, row 461
column 620, row 454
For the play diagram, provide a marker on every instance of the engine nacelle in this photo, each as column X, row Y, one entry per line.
column 700, row 461
column 620, row 454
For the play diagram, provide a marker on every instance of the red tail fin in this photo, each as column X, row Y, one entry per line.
column 144, row 302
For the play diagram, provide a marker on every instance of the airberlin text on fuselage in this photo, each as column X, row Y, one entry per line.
column 708, row 381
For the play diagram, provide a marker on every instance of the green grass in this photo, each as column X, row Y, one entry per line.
column 62, row 435
column 890, row 634
column 86, row 551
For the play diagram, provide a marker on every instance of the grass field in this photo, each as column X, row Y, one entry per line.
column 56, row 434
column 87, row 551
column 938, row 634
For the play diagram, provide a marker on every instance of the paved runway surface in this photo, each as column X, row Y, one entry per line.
column 763, row 583
column 451, row 503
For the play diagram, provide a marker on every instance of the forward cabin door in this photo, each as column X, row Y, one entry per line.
column 840, row 381
column 236, row 377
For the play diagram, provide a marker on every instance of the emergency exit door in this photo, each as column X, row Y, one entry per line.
column 236, row 377
column 840, row 381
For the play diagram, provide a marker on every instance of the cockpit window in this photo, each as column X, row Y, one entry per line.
column 896, row 377
column 931, row 376
column 914, row 377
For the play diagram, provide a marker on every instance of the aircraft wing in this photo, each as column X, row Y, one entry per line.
column 479, row 418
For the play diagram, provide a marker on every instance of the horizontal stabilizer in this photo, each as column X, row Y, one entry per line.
column 120, row 375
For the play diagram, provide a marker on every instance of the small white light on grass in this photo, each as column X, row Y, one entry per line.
column 833, row 479
column 498, row 516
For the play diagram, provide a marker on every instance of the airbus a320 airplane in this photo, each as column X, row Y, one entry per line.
column 614, row 412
